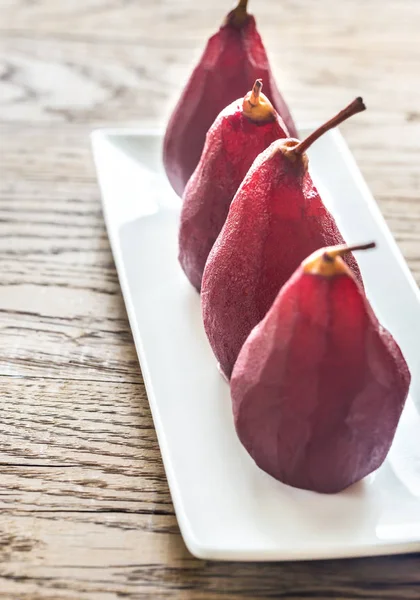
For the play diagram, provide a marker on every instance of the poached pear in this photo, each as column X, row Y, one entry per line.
column 232, row 60
column 275, row 220
column 240, row 132
column 319, row 385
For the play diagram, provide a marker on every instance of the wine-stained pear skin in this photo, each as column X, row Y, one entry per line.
column 232, row 60
column 275, row 221
column 239, row 134
column 319, row 385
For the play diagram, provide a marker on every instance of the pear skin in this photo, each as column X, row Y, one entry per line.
column 275, row 221
column 239, row 134
column 319, row 385
column 232, row 60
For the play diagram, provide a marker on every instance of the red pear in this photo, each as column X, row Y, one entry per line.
column 233, row 59
column 319, row 385
column 276, row 219
column 242, row 131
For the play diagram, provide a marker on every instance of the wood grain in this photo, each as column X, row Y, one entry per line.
column 85, row 508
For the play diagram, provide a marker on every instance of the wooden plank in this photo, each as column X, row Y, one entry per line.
column 60, row 303
column 83, row 423
column 104, row 556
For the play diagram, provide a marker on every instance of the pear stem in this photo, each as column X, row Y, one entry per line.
column 330, row 255
column 239, row 15
column 254, row 99
column 355, row 107
column 242, row 5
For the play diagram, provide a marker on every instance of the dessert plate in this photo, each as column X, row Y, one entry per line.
column 226, row 507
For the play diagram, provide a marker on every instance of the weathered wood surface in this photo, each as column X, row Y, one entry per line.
column 85, row 508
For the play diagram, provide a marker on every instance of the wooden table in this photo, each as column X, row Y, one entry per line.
column 85, row 507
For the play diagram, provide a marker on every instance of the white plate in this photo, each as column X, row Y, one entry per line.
column 226, row 507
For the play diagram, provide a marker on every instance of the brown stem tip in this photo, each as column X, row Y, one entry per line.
column 238, row 16
column 352, row 109
column 242, row 5
column 324, row 262
column 332, row 253
column 255, row 93
column 256, row 106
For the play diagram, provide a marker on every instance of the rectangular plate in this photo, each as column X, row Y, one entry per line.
column 226, row 507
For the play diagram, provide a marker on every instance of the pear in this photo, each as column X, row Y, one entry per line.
column 275, row 220
column 232, row 60
column 319, row 385
column 241, row 131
